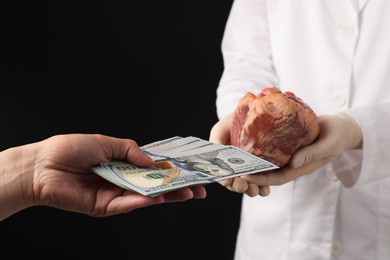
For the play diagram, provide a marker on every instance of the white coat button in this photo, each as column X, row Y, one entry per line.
column 339, row 100
column 331, row 176
column 336, row 248
column 347, row 28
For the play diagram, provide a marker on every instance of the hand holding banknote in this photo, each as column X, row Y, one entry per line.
column 56, row 172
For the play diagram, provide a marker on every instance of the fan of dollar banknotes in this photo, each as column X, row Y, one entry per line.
column 180, row 162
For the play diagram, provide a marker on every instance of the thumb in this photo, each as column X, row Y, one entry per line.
column 220, row 132
column 135, row 155
column 306, row 155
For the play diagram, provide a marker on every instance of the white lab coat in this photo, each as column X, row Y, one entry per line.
column 335, row 55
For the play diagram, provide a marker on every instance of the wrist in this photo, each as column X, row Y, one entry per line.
column 16, row 178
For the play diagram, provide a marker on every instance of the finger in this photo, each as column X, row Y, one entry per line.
column 199, row 192
column 308, row 168
column 229, row 184
column 130, row 201
column 307, row 155
column 178, row 195
column 275, row 177
column 137, row 156
column 226, row 182
column 260, row 179
column 253, row 190
column 264, row 191
column 240, row 185
column 326, row 146
column 230, row 188
column 220, row 132
column 283, row 175
column 123, row 149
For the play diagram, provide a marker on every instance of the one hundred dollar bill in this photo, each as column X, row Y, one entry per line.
column 161, row 143
column 197, row 165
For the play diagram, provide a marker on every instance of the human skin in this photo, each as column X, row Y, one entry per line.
column 56, row 172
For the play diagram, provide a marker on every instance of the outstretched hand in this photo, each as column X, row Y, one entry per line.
column 338, row 133
column 57, row 172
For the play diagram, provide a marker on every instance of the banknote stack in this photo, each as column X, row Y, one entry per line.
column 181, row 162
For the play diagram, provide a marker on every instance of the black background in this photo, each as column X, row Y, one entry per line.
column 145, row 70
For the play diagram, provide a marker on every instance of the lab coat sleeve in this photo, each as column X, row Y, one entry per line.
column 375, row 124
column 246, row 54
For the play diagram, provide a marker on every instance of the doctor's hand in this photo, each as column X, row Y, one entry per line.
column 338, row 133
column 220, row 134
